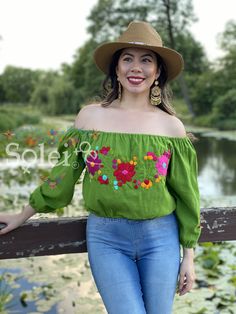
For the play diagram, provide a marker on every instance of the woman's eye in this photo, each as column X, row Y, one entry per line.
column 147, row 60
column 127, row 59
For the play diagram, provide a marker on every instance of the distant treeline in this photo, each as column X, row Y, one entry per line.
column 211, row 92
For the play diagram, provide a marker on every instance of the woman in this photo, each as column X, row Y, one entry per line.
column 140, row 184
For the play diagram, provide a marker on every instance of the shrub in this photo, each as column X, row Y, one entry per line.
column 13, row 117
column 224, row 106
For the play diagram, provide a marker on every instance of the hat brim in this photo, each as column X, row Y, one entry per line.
column 173, row 60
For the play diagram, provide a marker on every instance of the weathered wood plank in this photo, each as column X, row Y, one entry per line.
column 218, row 224
column 68, row 235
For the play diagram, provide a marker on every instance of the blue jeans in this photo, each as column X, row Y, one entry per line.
column 134, row 263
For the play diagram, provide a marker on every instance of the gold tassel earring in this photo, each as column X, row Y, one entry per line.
column 119, row 89
column 155, row 94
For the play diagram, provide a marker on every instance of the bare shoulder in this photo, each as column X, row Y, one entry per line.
column 86, row 116
column 176, row 127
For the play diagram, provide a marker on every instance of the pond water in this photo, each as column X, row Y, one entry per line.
column 217, row 170
column 17, row 304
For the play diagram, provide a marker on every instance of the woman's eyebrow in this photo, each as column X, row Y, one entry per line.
column 145, row 55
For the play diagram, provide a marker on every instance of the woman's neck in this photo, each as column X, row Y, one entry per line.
column 136, row 102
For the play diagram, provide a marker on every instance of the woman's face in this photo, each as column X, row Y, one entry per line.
column 137, row 69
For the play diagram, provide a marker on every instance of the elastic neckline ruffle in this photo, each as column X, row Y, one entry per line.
column 132, row 134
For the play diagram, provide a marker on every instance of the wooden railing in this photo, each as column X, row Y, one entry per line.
column 68, row 235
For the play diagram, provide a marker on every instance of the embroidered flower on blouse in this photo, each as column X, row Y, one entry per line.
column 53, row 183
column 146, row 184
column 124, row 172
column 136, row 183
column 93, row 162
column 150, row 156
column 104, row 150
column 71, row 142
column 103, row 179
column 95, row 135
column 162, row 163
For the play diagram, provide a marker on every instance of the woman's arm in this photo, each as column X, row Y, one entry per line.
column 13, row 221
column 187, row 273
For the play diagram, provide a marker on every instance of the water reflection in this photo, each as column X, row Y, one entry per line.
column 217, row 166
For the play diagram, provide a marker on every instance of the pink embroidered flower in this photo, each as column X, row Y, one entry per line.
column 124, row 172
column 167, row 154
column 104, row 150
column 162, row 163
column 93, row 162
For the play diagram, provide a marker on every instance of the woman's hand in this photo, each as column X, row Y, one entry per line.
column 13, row 221
column 187, row 273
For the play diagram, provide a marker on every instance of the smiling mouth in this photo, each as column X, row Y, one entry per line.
column 135, row 81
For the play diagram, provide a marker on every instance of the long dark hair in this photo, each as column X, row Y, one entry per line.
column 110, row 84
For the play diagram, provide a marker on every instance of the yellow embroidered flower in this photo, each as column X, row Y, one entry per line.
column 118, row 161
column 145, row 157
column 158, row 179
column 134, row 158
column 150, row 157
column 146, row 184
column 131, row 162
column 99, row 171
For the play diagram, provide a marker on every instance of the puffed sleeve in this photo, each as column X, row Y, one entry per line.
column 182, row 182
column 58, row 189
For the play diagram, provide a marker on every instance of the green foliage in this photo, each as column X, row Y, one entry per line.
column 204, row 90
column 225, row 105
column 109, row 18
column 206, row 120
column 17, row 84
column 226, row 124
column 55, row 94
column 12, row 117
column 2, row 92
column 84, row 74
column 213, row 95
column 40, row 96
column 224, row 111
column 61, row 97
column 193, row 54
column 227, row 39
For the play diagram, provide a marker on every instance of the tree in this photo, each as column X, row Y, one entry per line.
column 84, row 74
column 214, row 95
column 18, row 84
column 2, row 92
column 54, row 94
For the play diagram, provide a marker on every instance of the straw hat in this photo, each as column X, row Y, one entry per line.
column 143, row 35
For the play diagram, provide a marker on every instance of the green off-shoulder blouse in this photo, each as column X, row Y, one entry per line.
column 128, row 175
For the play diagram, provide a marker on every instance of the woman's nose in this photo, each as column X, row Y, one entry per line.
column 136, row 67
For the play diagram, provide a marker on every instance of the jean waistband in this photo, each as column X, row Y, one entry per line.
column 130, row 221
